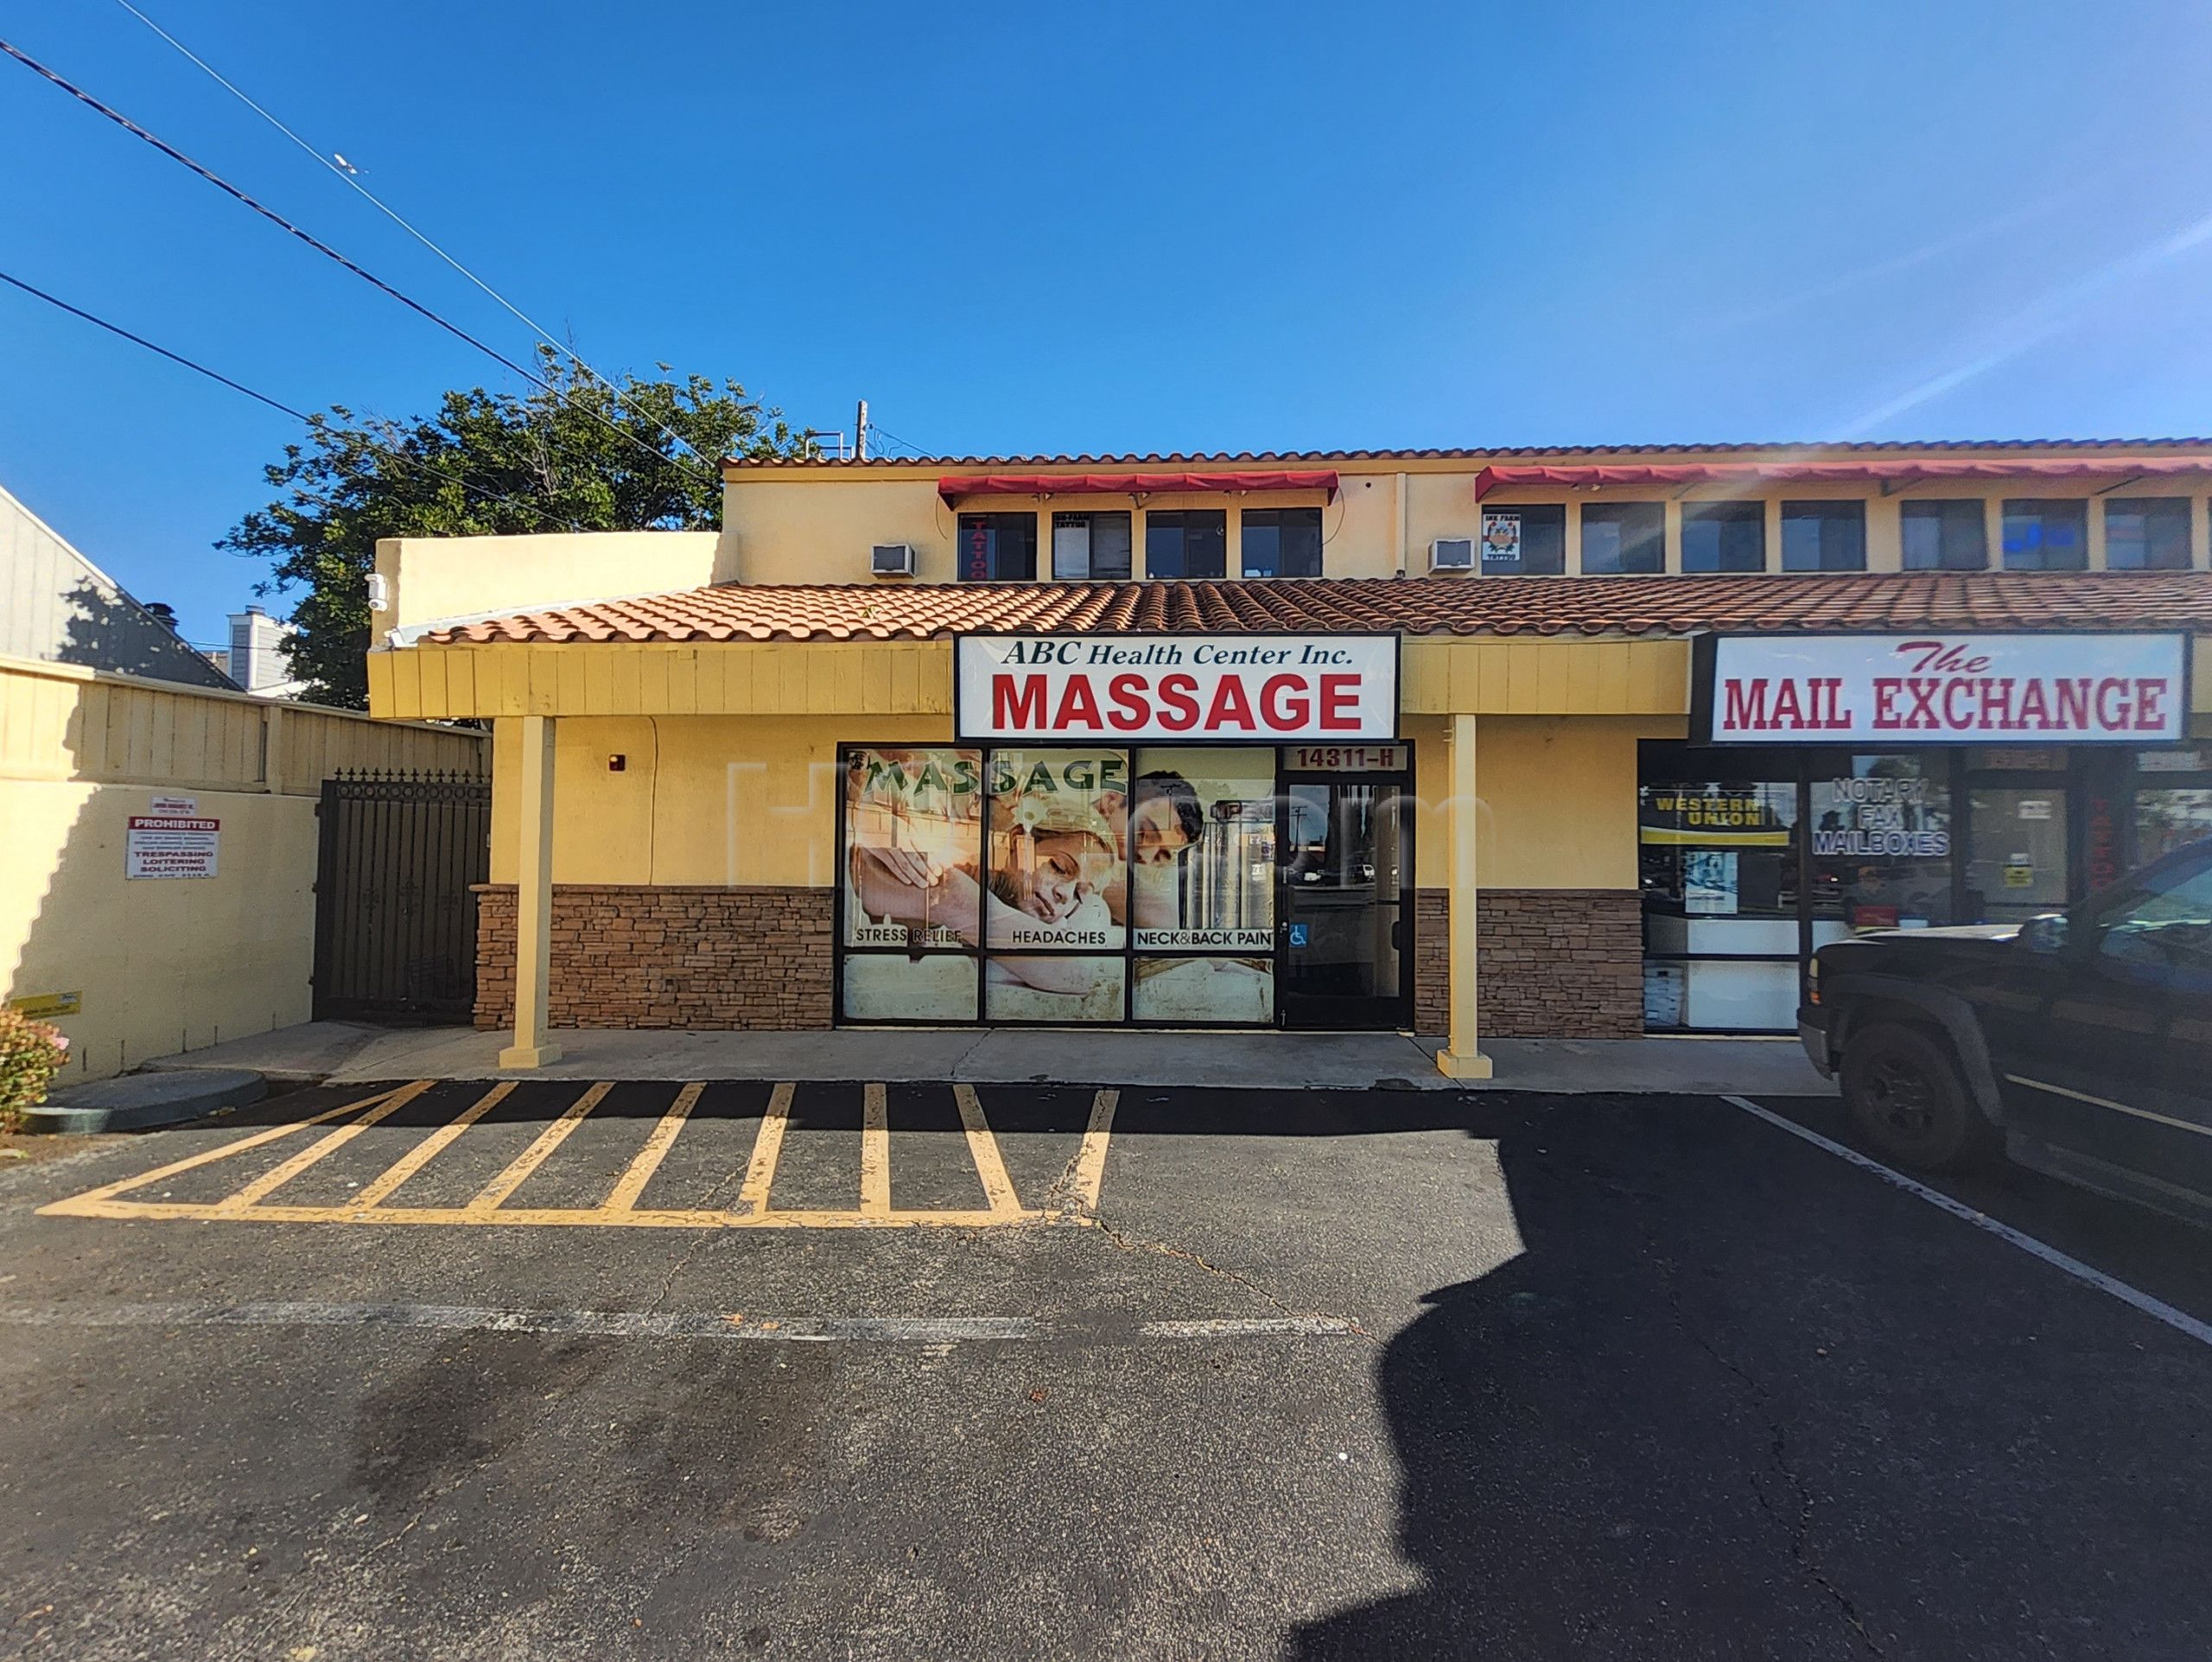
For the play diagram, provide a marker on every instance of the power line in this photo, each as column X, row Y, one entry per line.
column 263, row 397
column 880, row 431
column 141, row 340
column 320, row 246
column 343, row 172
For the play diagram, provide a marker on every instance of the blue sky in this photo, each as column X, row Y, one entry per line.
column 1136, row 228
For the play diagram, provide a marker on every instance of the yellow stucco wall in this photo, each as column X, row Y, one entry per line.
column 430, row 578
column 751, row 800
column 172, row 965
column 802, row 525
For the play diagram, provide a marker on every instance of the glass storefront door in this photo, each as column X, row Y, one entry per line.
column 1344, row 905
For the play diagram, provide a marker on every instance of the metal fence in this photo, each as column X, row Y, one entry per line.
column 394, row 923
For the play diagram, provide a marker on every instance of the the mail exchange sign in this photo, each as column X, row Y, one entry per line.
column 1882, row 691
column 1276, row 688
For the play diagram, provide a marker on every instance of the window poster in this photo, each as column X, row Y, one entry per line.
column 1205, row 989
column 1709, row 887
column 913, row 848
column 1201, row 836
column 1501, row 539
column 1058, row 819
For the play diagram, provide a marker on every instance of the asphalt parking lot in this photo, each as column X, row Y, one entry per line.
column 1189, row 1373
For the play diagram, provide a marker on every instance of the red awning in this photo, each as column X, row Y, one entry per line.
column 954, row 487
column 1886, row 471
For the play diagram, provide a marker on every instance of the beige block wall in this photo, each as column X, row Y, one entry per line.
column 174, row 963
column 161, row 966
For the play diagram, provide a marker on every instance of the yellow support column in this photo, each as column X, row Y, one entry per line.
column 1460, row 1059
column 533, row 899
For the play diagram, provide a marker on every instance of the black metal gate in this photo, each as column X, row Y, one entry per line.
column 395, row 924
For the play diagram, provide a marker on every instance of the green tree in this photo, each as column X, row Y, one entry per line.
column 576, row 458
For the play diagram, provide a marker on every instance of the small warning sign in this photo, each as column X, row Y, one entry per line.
column 171, row 846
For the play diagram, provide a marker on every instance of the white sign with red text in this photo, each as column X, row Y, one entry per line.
column 1946, row 689
column 1278, row 689
column 171, row 845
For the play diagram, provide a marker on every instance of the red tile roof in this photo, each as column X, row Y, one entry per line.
column 1504, row 605
column 1276, row 458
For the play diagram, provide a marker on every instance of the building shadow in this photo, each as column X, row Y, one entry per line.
column 1578, row 1475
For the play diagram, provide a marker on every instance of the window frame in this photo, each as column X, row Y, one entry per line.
column 1153, row 520
column 1485, row 567
column 960, row 532
column 1720, row 514
column 1271, row 519
column 2139, row 505
column 1942, row 510
column 2039, row 508
column 1657, row 541
column 1821, row 511
column 1091, row 517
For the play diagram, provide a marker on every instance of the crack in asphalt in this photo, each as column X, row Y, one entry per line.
column 1140, row 1243
column 684, row 1259
column 1799, row 1529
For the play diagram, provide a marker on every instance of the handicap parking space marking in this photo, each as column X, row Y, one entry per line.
column 1071, row 1200
column 2157, row 1309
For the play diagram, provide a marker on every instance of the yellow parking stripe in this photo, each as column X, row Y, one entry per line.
column 320, row 1149
column 626, row 1192
column 1090, row 1160
column 875, row 1152
column 983, row 1149
column 1073, row 1200
column 208, row 1157
column 422, row 1153
column 536, row 1154
column 767, row 1149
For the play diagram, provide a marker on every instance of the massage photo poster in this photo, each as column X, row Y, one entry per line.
column 1051, row 864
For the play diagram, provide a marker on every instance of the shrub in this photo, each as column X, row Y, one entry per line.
column 31, row 1054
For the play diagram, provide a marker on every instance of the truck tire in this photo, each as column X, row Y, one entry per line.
column 1906, row 1097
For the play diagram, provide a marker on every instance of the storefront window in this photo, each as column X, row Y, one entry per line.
column 1717, row 834
column 1881, row 840
column 2173, row 801
column 1061, row 885
column 913, row 883
column 2017, row 866
column 1054, row 853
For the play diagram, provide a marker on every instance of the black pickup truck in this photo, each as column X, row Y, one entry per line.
column 2078, row 1042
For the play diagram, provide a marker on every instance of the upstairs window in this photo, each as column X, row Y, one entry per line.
column 1723, row 537
column 2146, row 533
column 1192, row 543
column 1823, row 535
column 1624, row 537
column 1526, row 540
column 998, row 547
column 2046, row 536
column 1944, row 536
column 1090, row 547
column 1282, row 542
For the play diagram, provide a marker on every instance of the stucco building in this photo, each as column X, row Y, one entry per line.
column 1571, row 742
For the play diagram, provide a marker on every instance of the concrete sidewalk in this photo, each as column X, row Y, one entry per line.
column 346, row 1052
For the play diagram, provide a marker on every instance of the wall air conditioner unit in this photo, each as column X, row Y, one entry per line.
column 1452, row 554
column 892, row 559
